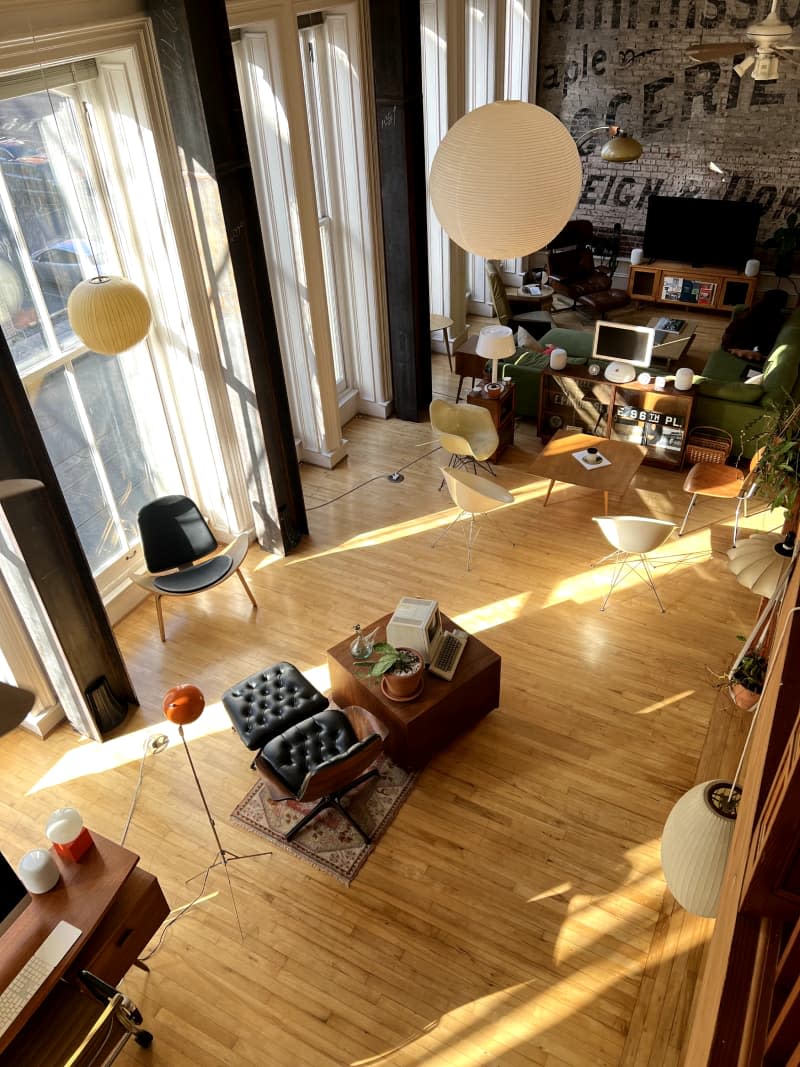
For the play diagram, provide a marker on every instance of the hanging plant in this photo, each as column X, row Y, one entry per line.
column 747, row 680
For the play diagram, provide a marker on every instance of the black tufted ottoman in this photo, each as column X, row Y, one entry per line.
column 267, row 703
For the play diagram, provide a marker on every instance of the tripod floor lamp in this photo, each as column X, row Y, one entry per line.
column 183, row 704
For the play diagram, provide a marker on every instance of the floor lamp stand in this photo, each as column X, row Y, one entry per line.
column 224, row 855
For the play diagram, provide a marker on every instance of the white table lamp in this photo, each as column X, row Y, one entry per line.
column 496, row 343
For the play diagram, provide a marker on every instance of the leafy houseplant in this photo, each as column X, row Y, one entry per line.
column 399, row 669
column 747, row 679
column 777, row 472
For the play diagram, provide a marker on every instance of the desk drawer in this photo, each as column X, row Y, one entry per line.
column 137, row 912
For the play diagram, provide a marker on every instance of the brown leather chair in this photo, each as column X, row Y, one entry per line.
column 570, row 262
column 322, row 758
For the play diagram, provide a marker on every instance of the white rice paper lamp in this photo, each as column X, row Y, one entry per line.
column 505, row 179
column 760, row 561
column 109, row 314
column 695, row 845
column 496, row 343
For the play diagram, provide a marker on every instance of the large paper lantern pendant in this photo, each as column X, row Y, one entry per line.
column 505, row 179
column 109, row 314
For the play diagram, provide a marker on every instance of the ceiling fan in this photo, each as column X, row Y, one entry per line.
column 768, row 41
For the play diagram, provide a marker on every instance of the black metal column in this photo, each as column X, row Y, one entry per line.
column 194, row 50
column 397, row 78
column 49, row 544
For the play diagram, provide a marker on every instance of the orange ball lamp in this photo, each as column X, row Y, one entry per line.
column 183, row 704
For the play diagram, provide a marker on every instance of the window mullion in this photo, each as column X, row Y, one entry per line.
column 94, row 451
column 25, row 264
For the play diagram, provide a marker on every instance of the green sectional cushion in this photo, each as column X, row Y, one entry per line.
column 780, row 370
column 576, row 343
column 723, row 366
column 743, row 392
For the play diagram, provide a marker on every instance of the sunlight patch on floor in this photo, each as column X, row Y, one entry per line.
column 95, row 757
column 593, row 583
column 494, row 614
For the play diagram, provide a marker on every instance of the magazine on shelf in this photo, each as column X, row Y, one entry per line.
column 671, row 288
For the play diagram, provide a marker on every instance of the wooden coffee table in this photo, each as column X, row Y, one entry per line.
column 556, row 461
column 421, row 727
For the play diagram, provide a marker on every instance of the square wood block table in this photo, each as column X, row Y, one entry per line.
column 421, row 727
column 557, row 462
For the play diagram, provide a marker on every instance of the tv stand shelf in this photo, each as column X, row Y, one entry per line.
column 681, row 285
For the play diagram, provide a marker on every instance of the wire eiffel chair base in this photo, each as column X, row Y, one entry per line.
column 628, row 561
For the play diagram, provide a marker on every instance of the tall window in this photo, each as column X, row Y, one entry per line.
column 102, row 418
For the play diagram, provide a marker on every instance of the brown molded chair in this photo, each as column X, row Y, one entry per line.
column 724, row 483
column 322, row 758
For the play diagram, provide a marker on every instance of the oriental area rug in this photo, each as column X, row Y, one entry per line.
column 329, row 842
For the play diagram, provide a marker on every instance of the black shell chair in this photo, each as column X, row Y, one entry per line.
column 178, row 547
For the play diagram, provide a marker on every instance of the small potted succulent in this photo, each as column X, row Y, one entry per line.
column 401, row 671
column 747, row 680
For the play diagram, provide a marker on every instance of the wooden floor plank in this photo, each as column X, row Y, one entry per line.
column 514, row 913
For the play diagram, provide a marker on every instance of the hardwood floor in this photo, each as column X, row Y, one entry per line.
column 514, row 912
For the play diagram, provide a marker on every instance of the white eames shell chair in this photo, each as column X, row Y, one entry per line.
column 633, row 536
column 473, row 495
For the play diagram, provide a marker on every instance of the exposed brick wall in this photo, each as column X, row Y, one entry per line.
column 625, row 62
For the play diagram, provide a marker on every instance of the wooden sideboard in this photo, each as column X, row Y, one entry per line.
column 681, row 285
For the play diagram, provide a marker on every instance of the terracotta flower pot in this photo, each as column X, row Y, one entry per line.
column 743, row 698
column 404, row 684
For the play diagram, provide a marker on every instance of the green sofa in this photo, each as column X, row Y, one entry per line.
column 525, row 369
column 722, row 399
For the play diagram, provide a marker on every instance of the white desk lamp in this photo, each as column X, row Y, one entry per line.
column 496, row 343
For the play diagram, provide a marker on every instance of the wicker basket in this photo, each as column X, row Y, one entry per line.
column 707, row 444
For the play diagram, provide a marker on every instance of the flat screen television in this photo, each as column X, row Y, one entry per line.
column 14, row 897
column 625, row 346
column 703, row 233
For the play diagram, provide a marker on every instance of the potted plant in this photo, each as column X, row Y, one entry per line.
column 747, row 680
column 777, row 470
column 401, row 671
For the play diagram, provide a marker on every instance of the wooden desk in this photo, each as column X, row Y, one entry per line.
column 446, row 709
column 116, row 906
column 557, row 462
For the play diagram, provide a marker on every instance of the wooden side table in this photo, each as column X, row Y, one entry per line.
column 501, row 406
column 468, row 363
column 443, row 323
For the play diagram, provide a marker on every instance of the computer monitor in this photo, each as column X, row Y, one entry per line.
column 625, row 346
column 14, row 897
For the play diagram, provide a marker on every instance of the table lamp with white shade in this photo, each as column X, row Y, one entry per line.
column 496, row 343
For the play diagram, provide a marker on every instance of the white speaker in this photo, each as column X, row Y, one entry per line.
column 637, row 255
column 558, row 358
column 752, row 267
column 684, row 378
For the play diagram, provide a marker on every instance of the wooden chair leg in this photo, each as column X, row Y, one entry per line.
column 160, row 615
column 247, row 588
